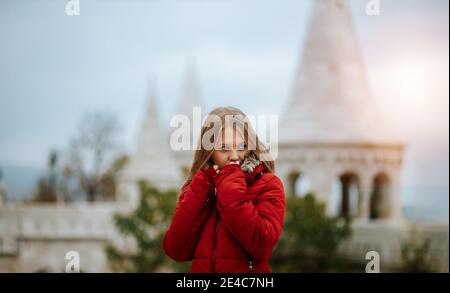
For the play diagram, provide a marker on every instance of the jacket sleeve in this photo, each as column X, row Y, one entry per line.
column 190, row 217
column 257, row 226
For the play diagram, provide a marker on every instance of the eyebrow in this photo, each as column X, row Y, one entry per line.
column 228, row 145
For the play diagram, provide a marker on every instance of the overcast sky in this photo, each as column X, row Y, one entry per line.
column 54, row 68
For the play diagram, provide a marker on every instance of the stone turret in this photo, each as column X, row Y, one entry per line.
column 152, row 160
column 332, row 142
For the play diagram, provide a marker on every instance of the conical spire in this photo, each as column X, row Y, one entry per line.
column 152, row 160
column 190, row 97
column 150, row 131
column 330, row 101
column 190, row 93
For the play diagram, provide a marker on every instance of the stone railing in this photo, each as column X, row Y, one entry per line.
column 387, row 239
column 75, row 221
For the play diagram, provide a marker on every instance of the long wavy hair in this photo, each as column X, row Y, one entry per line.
column 213, row 129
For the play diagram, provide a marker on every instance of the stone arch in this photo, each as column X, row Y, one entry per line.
column 298, row 183
column 380, row 196
column 347, row 195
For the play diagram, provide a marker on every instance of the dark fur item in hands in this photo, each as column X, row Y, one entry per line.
column 249, row 164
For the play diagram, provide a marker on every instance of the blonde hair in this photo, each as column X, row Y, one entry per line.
column 202, row 156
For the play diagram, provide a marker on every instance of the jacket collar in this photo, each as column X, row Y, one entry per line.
column 251, row 177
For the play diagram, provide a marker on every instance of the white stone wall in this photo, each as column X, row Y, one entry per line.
column 387, row 237
column 38, row 237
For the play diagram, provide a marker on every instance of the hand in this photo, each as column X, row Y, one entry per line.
column 227, row 170
column 210, row 172
column 217, row 168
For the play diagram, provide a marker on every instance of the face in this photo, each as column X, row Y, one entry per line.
column 231, row 148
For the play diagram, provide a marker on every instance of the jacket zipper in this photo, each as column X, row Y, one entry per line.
column 205, row 204
column 213, row 259
column 250, row 265
column 208, row 199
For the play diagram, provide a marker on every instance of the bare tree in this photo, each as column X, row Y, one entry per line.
column 93, row 150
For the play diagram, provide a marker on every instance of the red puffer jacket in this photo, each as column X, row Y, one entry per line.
column 227, row 222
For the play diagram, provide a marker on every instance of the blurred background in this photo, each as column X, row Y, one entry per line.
column 87, row 90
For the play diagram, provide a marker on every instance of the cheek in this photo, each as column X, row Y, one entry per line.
column 242, row 155
column 218, row 158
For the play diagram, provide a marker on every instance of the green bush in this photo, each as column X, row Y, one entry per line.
column 146, row 225
column 415, row 254
column 310, row 238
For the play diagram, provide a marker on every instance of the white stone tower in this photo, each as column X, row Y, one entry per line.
column 190, row 97
column 152, row 160
column 331, row 140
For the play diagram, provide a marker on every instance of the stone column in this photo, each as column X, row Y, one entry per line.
column 321, row 181
column 395, row 211
column 365, row 190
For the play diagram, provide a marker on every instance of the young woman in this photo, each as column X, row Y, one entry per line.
column 230, row 211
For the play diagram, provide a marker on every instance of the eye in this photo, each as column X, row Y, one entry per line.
column 226, row 147
column 242, row 147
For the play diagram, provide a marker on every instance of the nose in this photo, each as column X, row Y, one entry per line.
column 234, row 156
